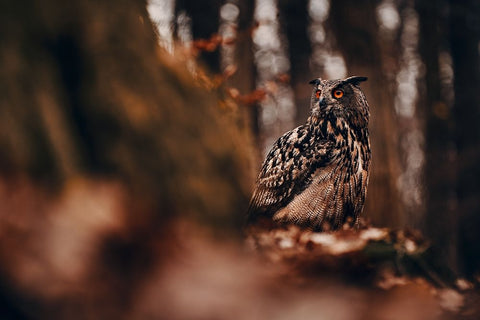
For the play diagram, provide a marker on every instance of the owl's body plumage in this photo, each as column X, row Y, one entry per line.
column 316, row 175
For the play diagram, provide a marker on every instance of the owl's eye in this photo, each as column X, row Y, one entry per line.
column 317, row 94
column 337, row 93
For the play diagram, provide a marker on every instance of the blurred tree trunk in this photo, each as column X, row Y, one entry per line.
column 295, row 19
column 440, row 220
column 355, row 29
column 245, row 75
column 205, row 17
column 90, row 102
column 68, row 110
column 464, row 41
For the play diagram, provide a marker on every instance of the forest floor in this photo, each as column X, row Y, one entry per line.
column 289, row 273
column 391, row 272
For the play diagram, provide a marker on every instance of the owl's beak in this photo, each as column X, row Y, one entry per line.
column 322, row 102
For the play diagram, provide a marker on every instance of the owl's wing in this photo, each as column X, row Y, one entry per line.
column 287, row 171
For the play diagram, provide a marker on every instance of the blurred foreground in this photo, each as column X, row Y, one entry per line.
column 124, row 185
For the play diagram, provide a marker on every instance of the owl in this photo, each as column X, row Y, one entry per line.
column 316, row 175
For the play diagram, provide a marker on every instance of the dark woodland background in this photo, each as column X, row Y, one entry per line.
column 131, row 134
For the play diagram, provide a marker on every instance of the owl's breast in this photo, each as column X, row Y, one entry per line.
column 335, row 193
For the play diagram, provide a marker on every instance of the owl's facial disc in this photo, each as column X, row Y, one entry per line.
column 341, row 98
column 329, row 96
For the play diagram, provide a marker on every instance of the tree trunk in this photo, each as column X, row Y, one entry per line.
column 440, row 220
column 295, row 20
column 464, row 40
column 105, row 140
column 244, row 79
column 205, row 17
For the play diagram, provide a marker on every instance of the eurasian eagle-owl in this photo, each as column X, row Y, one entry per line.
column 316, row 175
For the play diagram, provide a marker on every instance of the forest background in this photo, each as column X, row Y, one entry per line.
column 133, row 130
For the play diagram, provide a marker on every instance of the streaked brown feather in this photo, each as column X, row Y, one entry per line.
column 318, row 173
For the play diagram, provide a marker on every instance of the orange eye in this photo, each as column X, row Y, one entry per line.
column 338, row 93
column 317, row 94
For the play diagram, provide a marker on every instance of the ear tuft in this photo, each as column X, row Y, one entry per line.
column 355, row 80
column 315, row 82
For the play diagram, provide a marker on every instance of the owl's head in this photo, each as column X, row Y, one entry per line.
column 340, row 98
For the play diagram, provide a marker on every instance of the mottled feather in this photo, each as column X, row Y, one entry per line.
column 282, row 175
column 317, row 173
